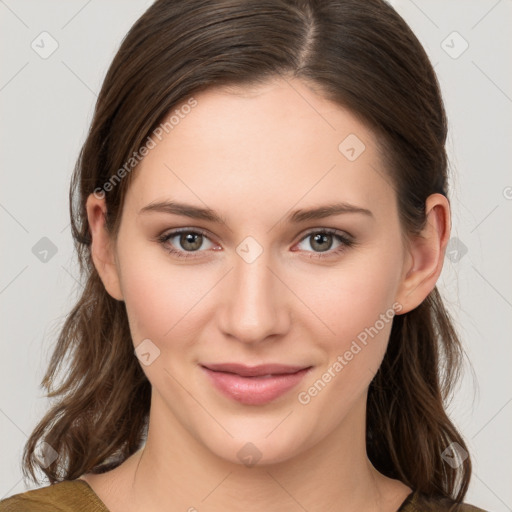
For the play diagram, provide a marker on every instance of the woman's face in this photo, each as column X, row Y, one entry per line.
column 254, row 279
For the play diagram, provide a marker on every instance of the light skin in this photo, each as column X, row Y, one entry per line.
column 254, row 156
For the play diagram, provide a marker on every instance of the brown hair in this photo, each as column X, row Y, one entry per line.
column 360, row 54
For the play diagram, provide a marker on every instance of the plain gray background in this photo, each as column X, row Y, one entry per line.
column 46, row 104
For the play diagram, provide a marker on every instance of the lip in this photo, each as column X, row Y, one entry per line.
column 254, row 385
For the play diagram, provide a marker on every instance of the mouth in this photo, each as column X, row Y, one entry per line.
column 254, row 385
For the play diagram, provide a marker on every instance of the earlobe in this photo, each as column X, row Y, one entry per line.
column 102, row 250
column 426, row 254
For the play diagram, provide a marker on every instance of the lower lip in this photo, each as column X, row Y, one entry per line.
column 254, row 390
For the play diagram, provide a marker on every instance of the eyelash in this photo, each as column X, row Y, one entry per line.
column 346, row 242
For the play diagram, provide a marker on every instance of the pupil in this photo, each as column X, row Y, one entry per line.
column 322, row 241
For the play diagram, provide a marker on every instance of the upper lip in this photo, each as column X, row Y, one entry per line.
column 254, row 371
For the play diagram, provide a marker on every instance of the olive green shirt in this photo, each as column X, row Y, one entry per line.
column 77, row 496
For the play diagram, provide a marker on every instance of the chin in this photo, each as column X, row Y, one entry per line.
column 255, row 444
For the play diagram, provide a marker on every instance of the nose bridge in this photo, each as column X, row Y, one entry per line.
column 254, row 307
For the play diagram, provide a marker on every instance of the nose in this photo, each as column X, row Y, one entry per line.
column 254, row 307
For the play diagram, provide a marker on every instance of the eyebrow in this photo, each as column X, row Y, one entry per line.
column 195, row 212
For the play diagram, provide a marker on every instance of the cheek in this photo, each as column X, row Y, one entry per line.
column 352, row 298
column 356, row 303
column 162, row 299
column 360, row 315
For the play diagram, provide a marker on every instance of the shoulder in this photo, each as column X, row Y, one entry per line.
column 68, row 496
column 417, row 502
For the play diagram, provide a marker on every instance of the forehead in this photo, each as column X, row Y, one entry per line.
column 271, row 145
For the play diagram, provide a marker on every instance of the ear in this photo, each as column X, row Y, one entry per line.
column 425, row 256
column 102, row 247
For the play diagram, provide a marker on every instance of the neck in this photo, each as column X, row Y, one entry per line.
column 333, row 475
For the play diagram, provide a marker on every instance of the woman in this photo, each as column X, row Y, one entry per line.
column 260, row 210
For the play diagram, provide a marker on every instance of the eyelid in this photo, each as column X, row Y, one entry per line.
column 205, row 233
column 176, row 231
column 329, row 231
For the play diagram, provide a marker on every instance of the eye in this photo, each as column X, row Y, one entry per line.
column 322, row 243
column 183, row 241
column 329, row 241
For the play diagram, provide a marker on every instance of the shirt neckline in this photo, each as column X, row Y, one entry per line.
column 89, row 490
column 408, row 501
column 93, row 496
